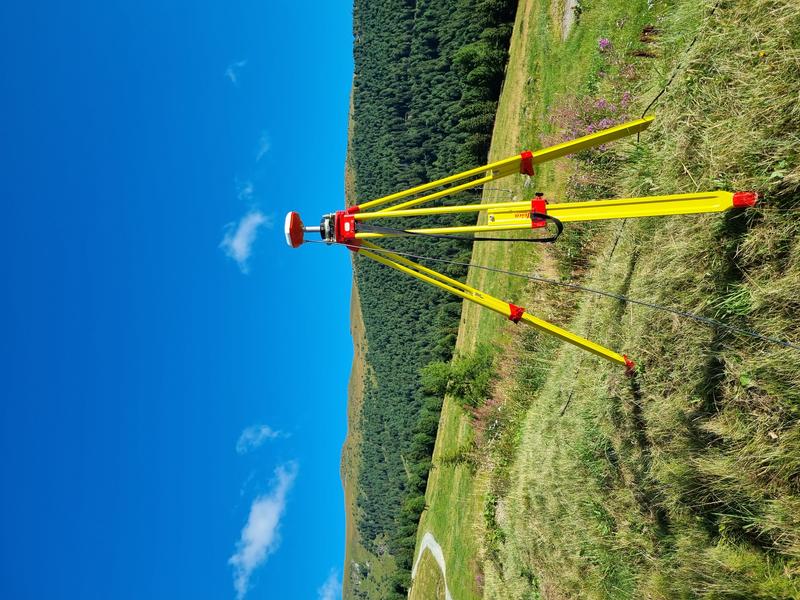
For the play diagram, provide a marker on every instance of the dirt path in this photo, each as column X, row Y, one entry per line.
column 568, row 20
column 430, row 543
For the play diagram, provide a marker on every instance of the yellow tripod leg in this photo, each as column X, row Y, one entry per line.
column 440, row 210
column 514, row 313
column 446, row 192
column 489, row 172
column 521, row 163
column 510, row 216
column 591, row 141
column 625, row 208
column 369, row 235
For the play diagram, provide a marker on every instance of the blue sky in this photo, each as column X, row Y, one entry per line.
column 174, row 376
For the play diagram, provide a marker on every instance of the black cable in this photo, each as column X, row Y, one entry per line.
column 681, row 313
column 677, row 69
column 366, row 228
column 774, row 209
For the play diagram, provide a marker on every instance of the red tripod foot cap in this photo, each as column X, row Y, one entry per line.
column 630, row 366
column 293, row 228
column 745, row 199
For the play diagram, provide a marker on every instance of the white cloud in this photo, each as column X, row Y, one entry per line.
column 255, row 435
column 331, row 589
column 232, row 72
column 263, row 146
column 240, row 237
column 247, row 483
column 245, row 190
column 260, row 536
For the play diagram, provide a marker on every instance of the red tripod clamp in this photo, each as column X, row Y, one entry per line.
column 538, row 207
column 526, row 163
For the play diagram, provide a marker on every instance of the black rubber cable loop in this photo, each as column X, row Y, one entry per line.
column 362, row 227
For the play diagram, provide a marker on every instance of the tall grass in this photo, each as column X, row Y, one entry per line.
column 685, row 482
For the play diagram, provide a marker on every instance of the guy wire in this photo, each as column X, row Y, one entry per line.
column 574, row 286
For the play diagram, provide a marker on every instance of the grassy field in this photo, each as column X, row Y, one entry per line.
column 429, row 578
column 684, row 481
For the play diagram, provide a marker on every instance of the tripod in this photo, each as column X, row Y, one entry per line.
column 354, row 228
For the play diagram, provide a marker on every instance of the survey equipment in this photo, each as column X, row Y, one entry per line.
column 358, row 226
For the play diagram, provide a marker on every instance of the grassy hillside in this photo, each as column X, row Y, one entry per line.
column 685, row 481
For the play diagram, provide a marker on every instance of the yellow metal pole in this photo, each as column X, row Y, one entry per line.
column 510, row 216
column 466, row 292
column 423, row 269
column 622, row 208
column 591, row 141
column 439, row 210
column 506, row 166
column 617, row 208
column 576, row 340
column 369, row 235
column 442, row 194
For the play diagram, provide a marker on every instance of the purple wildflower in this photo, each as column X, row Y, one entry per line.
column 604, row 44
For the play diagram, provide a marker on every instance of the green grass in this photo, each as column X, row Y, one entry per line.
column 686, row 481
column 429, row 577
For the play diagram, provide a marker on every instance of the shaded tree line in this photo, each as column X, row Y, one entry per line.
column 427, row 78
